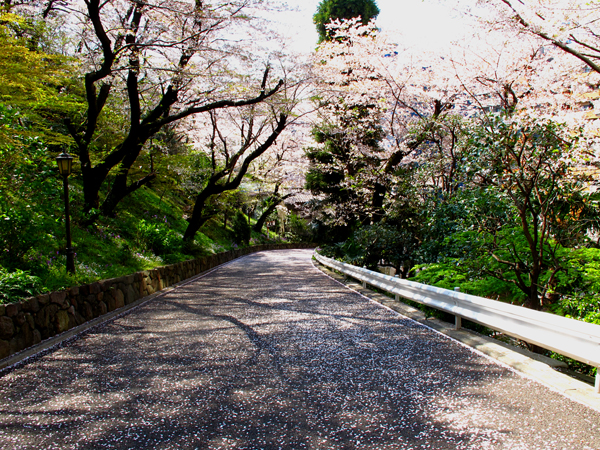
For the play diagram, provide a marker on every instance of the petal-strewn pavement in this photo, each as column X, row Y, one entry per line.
column 267, row 352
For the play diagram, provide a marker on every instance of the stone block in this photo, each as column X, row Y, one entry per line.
column 110, row 303
column 27, row 333
column 17, row 344
column 37, row 337
column 43, row 318
column 31, row 305
column 19, row 319
column 12, row 309
column 4, row 349
column 79, row 319
column 95, row 288
column 100, row 309
column 58, row 298
column 7, row 328
column 120, row 300
column 129, row 279
column 92, row 299
column 71, row 310
column 43, row 299
column 107, row 284
column 2, row 310
column 30, row 320
column 100, row 296
column 149, row 290
column 86, row 311
column 74, row 291
column 84, row 290
column 61, row 321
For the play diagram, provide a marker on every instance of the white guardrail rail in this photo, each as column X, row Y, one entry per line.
column 569, row 337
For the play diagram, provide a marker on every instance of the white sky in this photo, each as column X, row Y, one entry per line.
column 427, row 24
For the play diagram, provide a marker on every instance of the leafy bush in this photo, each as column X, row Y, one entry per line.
column 158, row 237
column 241, row 229
column 15, row 286
column 299, row 229
column 578, row 286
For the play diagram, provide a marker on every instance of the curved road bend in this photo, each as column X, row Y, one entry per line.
column 269, row 353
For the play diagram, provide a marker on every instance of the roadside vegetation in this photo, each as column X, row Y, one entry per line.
column 477, row 169
column 147, row 232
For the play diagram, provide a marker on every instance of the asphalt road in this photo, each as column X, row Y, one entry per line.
column 267, row 352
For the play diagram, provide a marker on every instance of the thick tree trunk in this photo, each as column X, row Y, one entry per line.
column 377, row 202
column 196, row 221
column 274, row 202
column 216, row 185
column 91, row 189
column 120, row 190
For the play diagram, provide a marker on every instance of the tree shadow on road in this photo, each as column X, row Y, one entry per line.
column 294, row 361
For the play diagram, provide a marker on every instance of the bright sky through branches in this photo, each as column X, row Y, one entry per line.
column 426, row 24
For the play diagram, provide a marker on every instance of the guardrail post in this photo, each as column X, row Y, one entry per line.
column 597, row 380
column 364, row 284
column 457, row 319
column 396, row 297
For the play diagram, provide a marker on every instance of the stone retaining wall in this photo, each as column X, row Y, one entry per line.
column 32, row 320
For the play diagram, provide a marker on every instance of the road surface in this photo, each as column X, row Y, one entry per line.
column 267, row 352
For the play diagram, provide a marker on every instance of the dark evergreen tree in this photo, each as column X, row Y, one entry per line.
column 329, row 10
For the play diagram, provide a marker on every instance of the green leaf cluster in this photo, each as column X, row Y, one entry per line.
column 17, row 285
column 329, row 10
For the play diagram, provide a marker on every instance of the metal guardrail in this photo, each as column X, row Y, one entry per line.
column 569, row 337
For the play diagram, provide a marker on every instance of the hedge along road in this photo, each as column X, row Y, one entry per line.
column 267, row 352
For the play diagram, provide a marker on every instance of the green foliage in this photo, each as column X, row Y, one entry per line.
column 241, row 229
column 194, row 169
column 452, row 273
column 383, row 241
column 578, row 285
column 158, row 237
column 17, row 285
column 329, row 10
column 35, row 80
column 299, row 229
column 345, row 168
column 30, row 211
column 518, row 210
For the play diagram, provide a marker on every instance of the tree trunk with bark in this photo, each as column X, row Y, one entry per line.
column 220, row 181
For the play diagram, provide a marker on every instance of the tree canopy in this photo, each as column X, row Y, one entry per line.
column 329, row 10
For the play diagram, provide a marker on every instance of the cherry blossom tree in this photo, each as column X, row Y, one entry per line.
column 150, row 65
column 570, row 25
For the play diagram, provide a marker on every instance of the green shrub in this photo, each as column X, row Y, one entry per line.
column 241, row 229
column 17, row 285
column 158, row 237
column 299, row 229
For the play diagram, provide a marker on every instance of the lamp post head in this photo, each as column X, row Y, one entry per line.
column 64, row 161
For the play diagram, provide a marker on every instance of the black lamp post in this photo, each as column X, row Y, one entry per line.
column 64, row 161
